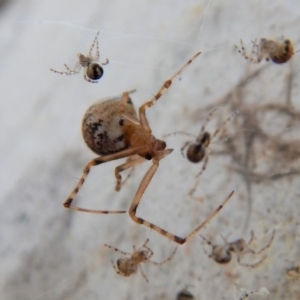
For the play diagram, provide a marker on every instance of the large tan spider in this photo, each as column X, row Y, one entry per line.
column 111, row 129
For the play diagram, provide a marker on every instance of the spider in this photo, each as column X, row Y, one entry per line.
column 245, row 294
column 279, row 51
column 222, row 254
column 293, row 272
column 198, row 150
column 184, row 295
column 112, row 130
column 93, row 70
column 128, row 266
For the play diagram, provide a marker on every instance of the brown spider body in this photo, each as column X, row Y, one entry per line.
column 129, row 265
column 112, row 130
column 184, row 295
column 106, row 131
column 222, row 254
column 197, row 151
column 136, row 136
column 279, row 51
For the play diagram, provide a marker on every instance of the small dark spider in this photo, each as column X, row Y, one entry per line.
column 93, row 70
column 184, row 295
column 222, row 254
column 293, row 272
column 198, row 150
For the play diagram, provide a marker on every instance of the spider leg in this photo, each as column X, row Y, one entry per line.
column 266, row 246
column 160, row 92
column 250, row 265
column 76, row 68
column 164, row 261
column 145, row 245
column 106, row 62
column 193, row 189
column 184, row 146
column 63, row 73
column 97, row 56
column 218, row 130
column 207, row 120
column 143, row 274
column 125, row 100
column 88, row 79
column 241, row 50
column 251, row 237
column 137, row 198
column 180, row 132
column 256, row 52
column 127, row 165
column 92, row 46
column 71, row 71
column 86, row 171
column 130, row 172
column 150, row 252
column 117, row 250
column 208, row 242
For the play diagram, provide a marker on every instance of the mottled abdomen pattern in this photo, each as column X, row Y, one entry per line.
column 285, row 53
column 103, row 126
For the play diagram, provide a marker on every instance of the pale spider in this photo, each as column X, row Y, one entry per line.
column 293, row 272
column 245, row 294
column 279, row 51
column 198, row 150
column 130, row 265
column 222, row 254
column 111, row 129
column 93, row 70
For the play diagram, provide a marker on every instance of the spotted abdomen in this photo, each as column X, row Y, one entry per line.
column 103, row 126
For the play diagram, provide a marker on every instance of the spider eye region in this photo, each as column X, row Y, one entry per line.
column 94, row 71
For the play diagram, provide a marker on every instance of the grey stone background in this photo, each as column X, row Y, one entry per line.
column 48, row 252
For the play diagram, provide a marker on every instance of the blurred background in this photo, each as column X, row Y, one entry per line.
column 49, row 252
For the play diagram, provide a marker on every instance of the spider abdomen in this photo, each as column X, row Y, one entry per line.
column 283, row 52
column 195, row 153
column 103, row 127
column 94, row 71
